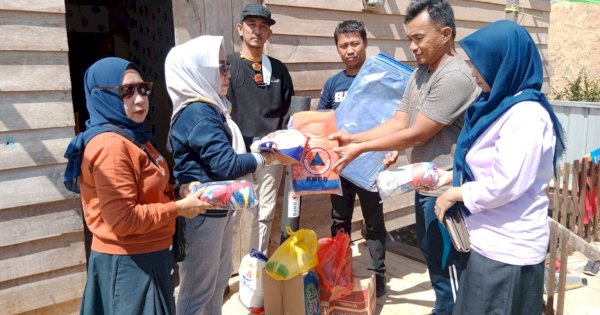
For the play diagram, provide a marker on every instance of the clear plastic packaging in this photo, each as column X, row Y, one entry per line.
column 373, row 98
column 229, row 194
column 407, row 178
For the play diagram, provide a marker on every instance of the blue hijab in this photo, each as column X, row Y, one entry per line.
column 508, row 60
column 104, row 107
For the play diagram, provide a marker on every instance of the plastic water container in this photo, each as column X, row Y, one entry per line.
column 251, row 280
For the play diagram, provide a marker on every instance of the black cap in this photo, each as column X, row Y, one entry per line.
column 257, row 10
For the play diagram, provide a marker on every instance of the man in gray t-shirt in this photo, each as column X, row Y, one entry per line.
column 441, row 96
column 427, row 124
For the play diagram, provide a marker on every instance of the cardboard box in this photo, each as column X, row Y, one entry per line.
column 361, row 301
column 296, row 296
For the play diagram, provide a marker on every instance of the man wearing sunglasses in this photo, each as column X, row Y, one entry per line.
column 260, row 92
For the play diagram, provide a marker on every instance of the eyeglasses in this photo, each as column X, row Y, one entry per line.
column 128, row 90
column 258, row 77
column 225, row 68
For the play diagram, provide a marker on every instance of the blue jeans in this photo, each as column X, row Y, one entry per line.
column 444, row 278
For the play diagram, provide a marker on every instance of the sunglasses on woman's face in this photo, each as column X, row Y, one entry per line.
column 225, row 68
column 128, row 90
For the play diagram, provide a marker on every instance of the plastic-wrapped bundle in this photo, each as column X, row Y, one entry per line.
column 229, row 194
column 406, row 178
column 373, row 98
column 288, row 142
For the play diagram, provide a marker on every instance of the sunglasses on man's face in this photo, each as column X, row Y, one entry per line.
column 225, row 68
column 128, row 90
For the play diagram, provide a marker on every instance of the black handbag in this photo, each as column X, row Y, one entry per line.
column 179, row 241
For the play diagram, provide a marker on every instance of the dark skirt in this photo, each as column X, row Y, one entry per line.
column 129, row 284
column 490, row 287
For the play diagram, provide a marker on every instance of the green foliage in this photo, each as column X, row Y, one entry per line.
column 584, row 88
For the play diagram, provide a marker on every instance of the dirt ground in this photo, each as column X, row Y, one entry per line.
column 573, row 42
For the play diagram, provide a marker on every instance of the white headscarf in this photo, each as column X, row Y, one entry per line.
column 192, row 75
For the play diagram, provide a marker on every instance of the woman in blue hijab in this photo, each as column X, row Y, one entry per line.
column 505, row 157
column 128, row 203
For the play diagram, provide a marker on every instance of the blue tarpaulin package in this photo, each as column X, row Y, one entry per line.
column 373, row 98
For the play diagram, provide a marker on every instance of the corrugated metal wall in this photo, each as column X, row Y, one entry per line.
column 581, row 122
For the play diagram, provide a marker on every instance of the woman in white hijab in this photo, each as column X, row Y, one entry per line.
column 207, row 146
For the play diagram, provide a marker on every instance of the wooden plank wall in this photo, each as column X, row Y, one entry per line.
column 193, row 18
column 42, row 257
column 303, row 35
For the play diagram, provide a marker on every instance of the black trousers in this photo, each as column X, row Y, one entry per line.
column 372, row 210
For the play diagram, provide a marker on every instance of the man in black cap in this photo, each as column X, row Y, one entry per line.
column 260, row 92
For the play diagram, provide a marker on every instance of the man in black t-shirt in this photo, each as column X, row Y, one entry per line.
column 260, row 92
column 350, row 39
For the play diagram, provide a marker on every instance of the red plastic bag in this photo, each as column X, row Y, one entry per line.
column 335, row 266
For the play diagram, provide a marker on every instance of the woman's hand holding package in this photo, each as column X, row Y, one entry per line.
column 275, row 157
column 281, row 146
column 444, row 178
column 191, row 205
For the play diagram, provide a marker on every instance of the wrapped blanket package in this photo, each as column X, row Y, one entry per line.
column 289, row 143
column 229, row 194
column 407, row 178
column 373, row 98
column 314, row 174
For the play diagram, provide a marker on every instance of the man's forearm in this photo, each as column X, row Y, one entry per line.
column 392, row 141
column 390, row 126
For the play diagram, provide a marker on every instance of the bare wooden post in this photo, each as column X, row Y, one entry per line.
column 551, row 270
column 565, row 195
column 595, row 180
column 582, row 174
column 556, row 195
column 562, row 276
column 572, row 219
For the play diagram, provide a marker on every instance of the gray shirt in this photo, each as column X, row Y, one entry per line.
column 442, row 96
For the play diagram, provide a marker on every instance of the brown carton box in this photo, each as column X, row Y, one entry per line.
column 296, row 296
column 360, row 302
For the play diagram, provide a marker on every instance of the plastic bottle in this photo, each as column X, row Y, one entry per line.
column 573, row 281
column 251, row 280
